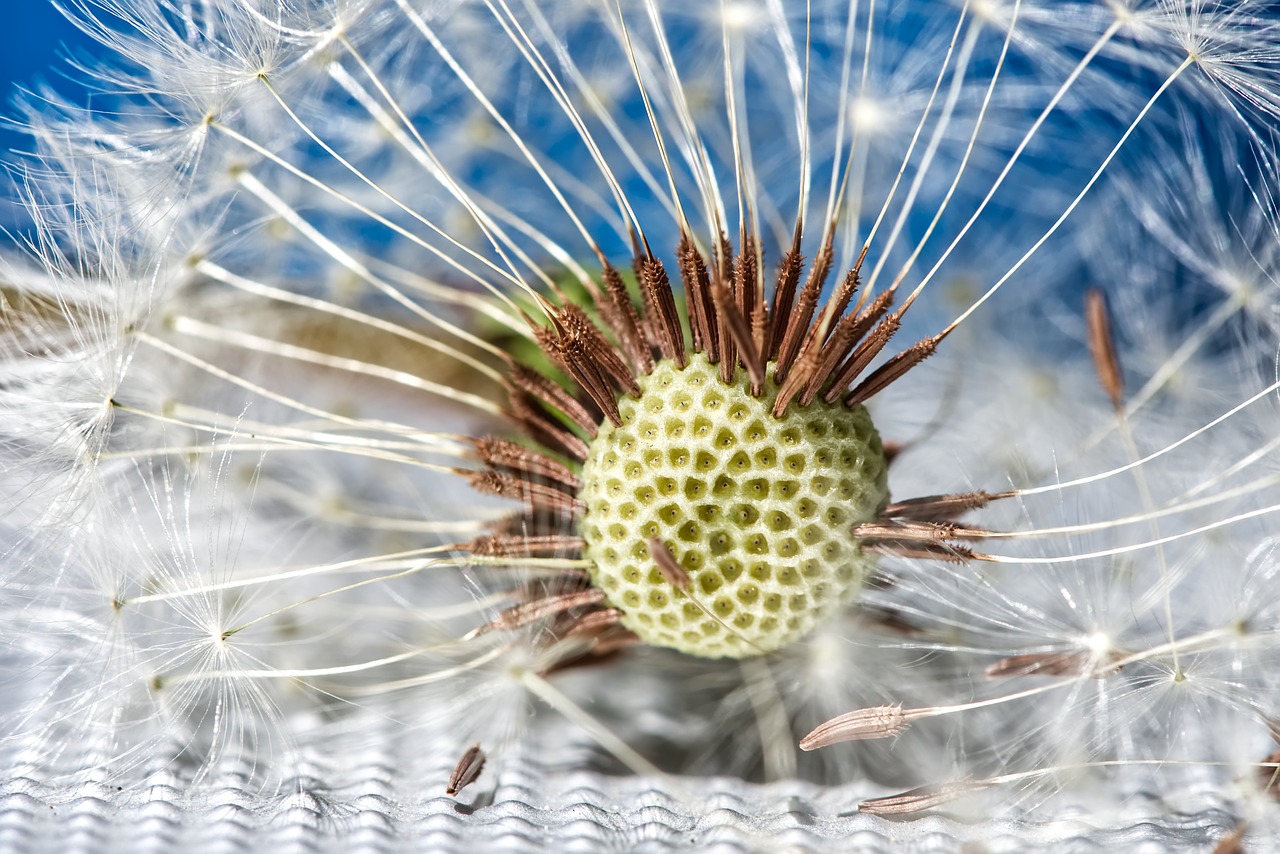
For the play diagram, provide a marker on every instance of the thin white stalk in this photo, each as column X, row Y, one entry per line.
column 466, row 80
column 346, row 259
column 292, row 403
column 1022, row 145
column 1136, row 547
column 964, row 160
column 184, row 325
column 342, row 670
column 931, row 149
column 1167, row 449
column 558, row 700
column 394, row 561
column 503, row 246
column 1053, row 229
column 221, row 274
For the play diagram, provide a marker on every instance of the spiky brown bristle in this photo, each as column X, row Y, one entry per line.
column 731, row 325
column 792, row 343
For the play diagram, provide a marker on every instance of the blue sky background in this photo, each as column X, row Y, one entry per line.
column 33, row 39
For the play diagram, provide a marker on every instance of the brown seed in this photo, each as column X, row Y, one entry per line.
column 623, row 319
column 509, row 545
column 660, row 309
column 747, row 287
column 839, row 300
column 1102, row 345
column 733, row 321
column 859, row 725
column 865, row 353
column 599, row 639
column 861, row 325
column 552, row 395
column 926, row 797
column 798, row 324
column 832, row 352
column 1232, row 843
column 797, row 377
column 581, row 349
column 905, row 530
column 571, row 355
column 675, row 574
column 697, row 290
column 594, row 622
column 1051, row 664
column 519, row 616
column 940, row 508
column 893, row 370
column 466, row 771
column 542, row 427
column 784, row 293
column 500, row 453
column 921, row 551
column 724, row 278
column 784, row 296
column 918, row 530
column 519, row 489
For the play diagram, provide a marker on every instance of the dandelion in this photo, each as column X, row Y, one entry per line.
column 872, row 394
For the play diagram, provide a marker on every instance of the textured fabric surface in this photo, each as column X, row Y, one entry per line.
column 527, row 809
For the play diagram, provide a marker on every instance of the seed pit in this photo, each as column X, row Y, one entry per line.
column 754, row 509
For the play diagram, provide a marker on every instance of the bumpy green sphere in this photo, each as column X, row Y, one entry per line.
column 757, row 510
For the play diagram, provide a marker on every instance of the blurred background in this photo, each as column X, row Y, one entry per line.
column 34, row 37
column 33, row 42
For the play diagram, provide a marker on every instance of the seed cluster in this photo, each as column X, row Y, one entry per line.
column 757, row 510
column 715, row 468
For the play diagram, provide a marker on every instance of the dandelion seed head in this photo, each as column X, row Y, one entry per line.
column 325, row 265
column 756, row 508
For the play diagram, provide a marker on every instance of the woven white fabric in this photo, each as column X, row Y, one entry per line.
column 586, row 813
column 525, row 806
